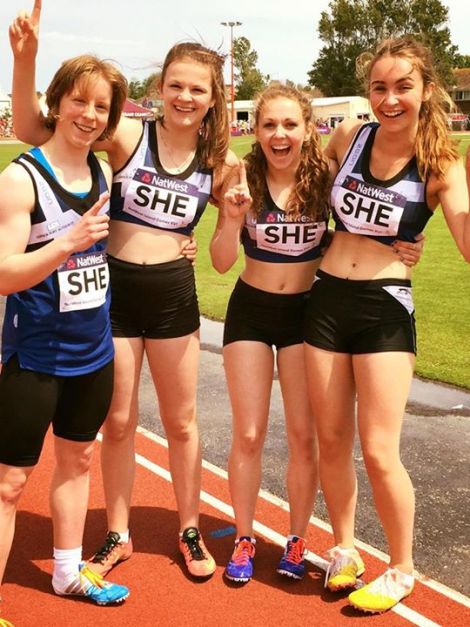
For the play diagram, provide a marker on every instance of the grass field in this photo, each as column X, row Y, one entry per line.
column 441, row 287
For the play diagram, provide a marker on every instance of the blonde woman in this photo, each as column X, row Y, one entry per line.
column 360, row 329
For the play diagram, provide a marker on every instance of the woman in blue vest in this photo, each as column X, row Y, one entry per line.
column 165, row 172
column 57, row 350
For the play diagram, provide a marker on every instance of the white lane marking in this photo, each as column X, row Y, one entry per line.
column 275, row 500
column 402, row 610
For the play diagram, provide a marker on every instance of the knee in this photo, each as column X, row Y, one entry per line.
column 73, row 463
column 333, row 446
column 11, row 488
column 380, row 460
column 118, row 427
column 303, row 447
column 182, row 427
column 249, row 443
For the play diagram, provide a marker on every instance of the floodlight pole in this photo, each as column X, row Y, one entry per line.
column 232, row 82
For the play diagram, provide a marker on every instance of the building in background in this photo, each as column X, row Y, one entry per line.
column 328, row 112
column 460, row 94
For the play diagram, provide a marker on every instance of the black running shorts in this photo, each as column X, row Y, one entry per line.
column 155, row 301
column 360, row 317
column 259, row 316
column 30, row 401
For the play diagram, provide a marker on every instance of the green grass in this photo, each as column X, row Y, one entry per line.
column 441, row 286
column 9, row 152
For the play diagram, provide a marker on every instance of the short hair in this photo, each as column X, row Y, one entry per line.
column 86, row 66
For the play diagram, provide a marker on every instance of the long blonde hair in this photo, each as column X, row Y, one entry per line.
column 214, row 132
column 434, row 148
column 310, row 194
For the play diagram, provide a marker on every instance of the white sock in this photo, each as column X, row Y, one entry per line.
column 66, row 567
column 348, row 549
column 407, row 579
column 250, row 538
column 124, row 535
column 291, row 536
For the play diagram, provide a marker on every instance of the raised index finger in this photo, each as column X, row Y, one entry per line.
column 242, row 172
column 36, row 12
column 94, row 211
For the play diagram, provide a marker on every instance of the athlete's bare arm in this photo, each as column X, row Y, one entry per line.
column 20, row 270
column 225, row 242
column 453, row 194
column 28, row 120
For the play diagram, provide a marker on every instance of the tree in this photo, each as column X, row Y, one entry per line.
column 354, row 26
column 248, row 79
column 139, row 89
column 462, row 60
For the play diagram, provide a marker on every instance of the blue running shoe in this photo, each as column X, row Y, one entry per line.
column 91, row 585
column 292, row 563
column 240, row 567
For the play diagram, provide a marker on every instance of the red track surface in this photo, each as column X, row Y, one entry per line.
column 161, row 592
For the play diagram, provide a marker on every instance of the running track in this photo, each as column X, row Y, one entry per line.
column 162, row 594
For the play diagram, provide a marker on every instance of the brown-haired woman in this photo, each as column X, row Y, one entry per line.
column 281, row 230
column 165, row 172
column 360, row 331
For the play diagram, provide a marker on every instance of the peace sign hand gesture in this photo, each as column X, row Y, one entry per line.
column 24, row 33
column 237, row 200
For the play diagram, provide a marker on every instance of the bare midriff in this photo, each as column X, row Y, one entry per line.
column 360, row 258
column 280, row 278
column 144, row 244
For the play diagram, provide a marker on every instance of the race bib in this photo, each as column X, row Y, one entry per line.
column 161, row 201
column 83, row 282
column 368, row 209
column 278, row 233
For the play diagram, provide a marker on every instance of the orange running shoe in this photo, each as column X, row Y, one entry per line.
column 110, row 554
column 199, row 561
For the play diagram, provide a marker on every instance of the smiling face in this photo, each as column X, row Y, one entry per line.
column 84, row 111
column 397, row 92
column 281, row 131
column 187, row 93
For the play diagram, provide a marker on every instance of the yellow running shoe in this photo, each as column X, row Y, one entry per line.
column 384, row 592
column 344, row 568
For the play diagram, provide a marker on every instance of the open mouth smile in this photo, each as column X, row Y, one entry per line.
column 83, row 128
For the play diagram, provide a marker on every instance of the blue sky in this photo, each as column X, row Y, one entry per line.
column 283, row 33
